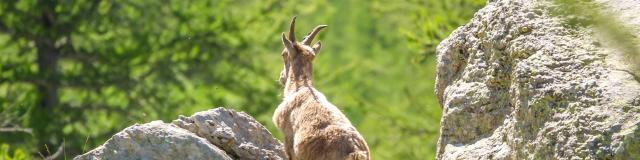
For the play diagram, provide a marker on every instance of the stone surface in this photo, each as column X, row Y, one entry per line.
column 219, row 134
column 156, row 140
column 517, row 83
column 236, row 133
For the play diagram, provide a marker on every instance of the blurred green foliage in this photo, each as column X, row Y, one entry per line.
column 17, row 154
column 80, row 70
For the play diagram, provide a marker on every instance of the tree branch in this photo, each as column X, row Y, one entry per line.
column 17, row 129
column 57, row 153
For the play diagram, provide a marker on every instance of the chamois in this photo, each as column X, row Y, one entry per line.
column 313, row 128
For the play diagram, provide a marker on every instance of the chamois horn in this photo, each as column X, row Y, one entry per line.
column 307, row 39
column 292, row 34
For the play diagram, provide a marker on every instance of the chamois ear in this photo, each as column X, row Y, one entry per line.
column 316, row 47
column 288, row 45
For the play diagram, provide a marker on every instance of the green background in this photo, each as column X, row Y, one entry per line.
column 79, row 71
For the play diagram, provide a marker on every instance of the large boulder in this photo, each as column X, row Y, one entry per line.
column 156, row 140
column 219, row 134
column 237, row 133
column 518, row 83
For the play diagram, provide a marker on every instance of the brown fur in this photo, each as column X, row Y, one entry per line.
column 313, row 128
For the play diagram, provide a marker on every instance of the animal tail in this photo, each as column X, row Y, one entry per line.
column 359, row 155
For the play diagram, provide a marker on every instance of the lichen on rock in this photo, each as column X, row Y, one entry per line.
column 516, row 83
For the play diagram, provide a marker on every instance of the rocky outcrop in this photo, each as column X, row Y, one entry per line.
column 237, row 133
column 214, row 134
column 156, row 140
column 517, row 83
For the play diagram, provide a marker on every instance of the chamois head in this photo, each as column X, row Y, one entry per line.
column 298, row 56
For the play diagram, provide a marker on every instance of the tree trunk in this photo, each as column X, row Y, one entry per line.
column 47, row 69
column 48, row 62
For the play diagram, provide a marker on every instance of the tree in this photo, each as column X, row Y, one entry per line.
column 81, row 70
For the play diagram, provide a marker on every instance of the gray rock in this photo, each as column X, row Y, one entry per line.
column 516, row 83
column 214, row 134
column 235, row 132
column 155, row 140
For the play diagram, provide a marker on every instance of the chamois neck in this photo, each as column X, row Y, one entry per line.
column 300, row 74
